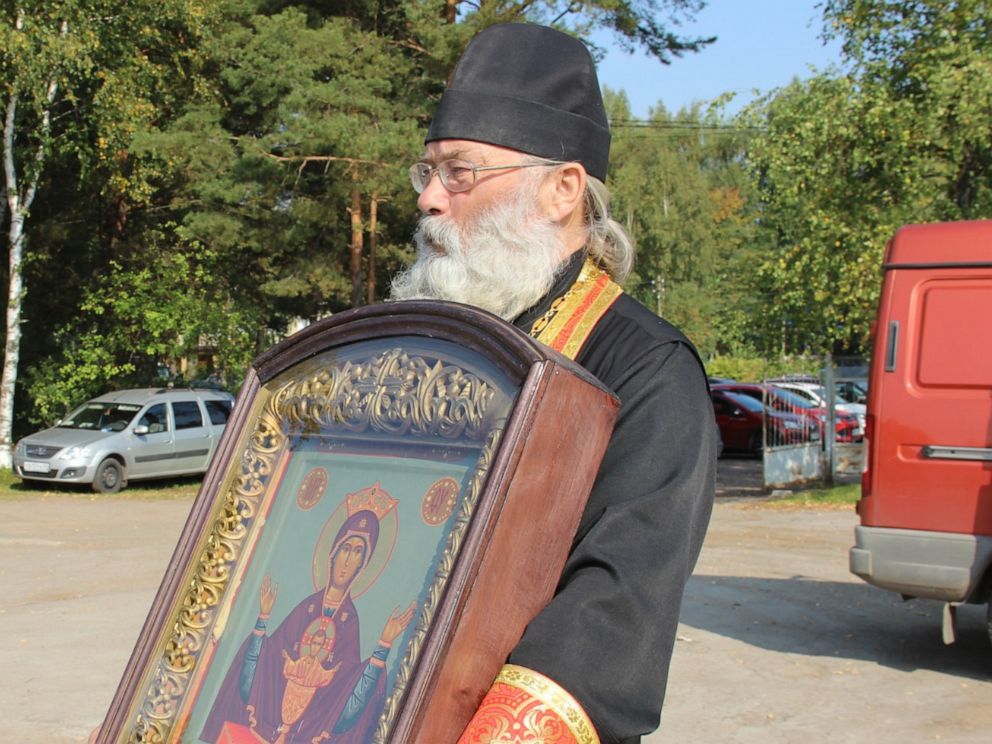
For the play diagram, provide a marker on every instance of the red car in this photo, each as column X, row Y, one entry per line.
column 777, row 399
column 741, row 421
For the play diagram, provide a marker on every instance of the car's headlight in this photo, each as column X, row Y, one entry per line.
column 73, row 453
column 20, row 449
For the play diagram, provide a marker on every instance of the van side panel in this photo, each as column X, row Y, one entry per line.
column 930, row 391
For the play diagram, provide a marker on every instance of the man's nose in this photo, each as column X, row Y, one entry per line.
column 434, row 199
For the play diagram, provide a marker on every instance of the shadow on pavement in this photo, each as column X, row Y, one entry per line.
column 739, row 476
column 840, row 620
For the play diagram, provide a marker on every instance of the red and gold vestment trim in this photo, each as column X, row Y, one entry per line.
column 567, row 325
column 525, row 707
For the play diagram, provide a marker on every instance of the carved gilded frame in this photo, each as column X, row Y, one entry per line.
column 416, row 378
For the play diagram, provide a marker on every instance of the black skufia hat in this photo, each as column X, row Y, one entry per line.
column 529, row 88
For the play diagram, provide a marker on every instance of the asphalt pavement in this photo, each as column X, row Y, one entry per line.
column 779, row 643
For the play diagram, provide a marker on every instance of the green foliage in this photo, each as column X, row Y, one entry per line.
column 845, row 160
column 203, row 162
column 755, row 369
column 116, row 66
column 306, row 110
column 137, row 321
column 79, row 78
column 680, row 188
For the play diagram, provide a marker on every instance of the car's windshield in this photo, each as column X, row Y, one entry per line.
column 744, row 401
column 786, row 399
column 851, row 391
column 101, row 416
column 820, row 394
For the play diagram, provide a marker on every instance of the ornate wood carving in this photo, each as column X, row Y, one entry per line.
column 391, row 392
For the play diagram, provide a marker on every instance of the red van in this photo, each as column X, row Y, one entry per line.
column 926, row 494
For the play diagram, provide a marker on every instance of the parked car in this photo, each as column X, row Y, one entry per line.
column 741, row 421
column 851, row 389
column 778, row 399
column 816, row 394
column 128, row 435
column 855, row 391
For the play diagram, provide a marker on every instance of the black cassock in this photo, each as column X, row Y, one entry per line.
column 608, row 634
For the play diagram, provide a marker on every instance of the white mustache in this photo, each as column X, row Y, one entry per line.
column 504, row 261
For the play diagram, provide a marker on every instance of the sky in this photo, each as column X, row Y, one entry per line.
column 761, row 44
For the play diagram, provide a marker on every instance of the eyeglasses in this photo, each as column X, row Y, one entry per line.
column 456, row 175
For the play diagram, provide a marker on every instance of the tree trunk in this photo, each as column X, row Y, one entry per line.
column 373, row 244
column 12, row 347
column 18, row 207
column 18, row 203
column 356, row 247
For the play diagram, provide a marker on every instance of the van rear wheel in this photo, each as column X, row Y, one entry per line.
column 109, row 477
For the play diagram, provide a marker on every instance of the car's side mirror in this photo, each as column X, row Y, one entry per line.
column 140, row 430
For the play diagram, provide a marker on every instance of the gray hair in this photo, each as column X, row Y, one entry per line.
column 607, row 242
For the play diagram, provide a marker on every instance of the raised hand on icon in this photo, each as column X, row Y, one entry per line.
column 267, row 597
column 396, row 623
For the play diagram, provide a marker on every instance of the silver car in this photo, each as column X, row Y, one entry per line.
column 128, row 435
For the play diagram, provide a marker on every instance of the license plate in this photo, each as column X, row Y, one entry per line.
column 35, row 467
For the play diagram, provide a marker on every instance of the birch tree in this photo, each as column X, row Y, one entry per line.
column 22, row 167
column 77, row 79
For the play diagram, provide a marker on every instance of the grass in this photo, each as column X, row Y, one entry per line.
column 835, row 497
column 13, row 488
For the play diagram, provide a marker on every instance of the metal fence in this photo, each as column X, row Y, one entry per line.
column 811, row 431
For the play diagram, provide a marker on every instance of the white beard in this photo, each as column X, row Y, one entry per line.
column 504, row 261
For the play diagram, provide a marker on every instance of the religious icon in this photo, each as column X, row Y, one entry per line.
column 338, row 575
column 305, row 680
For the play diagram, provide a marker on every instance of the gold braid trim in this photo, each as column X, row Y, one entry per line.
column 571, row 318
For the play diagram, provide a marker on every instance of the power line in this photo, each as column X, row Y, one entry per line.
column 677, row 125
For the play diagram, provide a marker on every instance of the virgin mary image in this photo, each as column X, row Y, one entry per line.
column 306, row 681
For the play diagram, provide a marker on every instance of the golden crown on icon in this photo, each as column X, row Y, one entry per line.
column 374, row 499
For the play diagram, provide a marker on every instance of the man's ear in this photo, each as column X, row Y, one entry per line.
column 565, row 193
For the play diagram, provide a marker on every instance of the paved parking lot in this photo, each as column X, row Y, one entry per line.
column 779, row 644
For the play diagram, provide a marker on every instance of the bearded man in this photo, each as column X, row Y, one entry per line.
column 516, row 221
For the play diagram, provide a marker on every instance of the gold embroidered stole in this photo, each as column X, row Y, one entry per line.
column 571, row 318
column 525, row 706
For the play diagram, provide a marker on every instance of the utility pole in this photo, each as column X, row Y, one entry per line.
column 830, row 438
